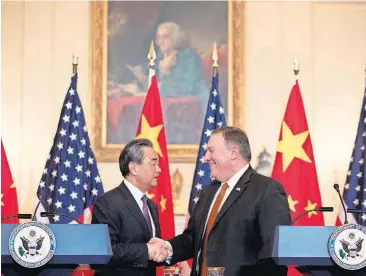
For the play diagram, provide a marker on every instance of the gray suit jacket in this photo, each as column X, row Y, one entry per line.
column 243, row 233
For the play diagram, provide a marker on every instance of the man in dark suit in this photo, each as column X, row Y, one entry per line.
column 131, row 217
column 234, row 221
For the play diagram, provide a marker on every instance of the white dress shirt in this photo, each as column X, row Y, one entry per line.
column 137, row 195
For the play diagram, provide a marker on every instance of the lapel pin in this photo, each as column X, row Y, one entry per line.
column 238, row 189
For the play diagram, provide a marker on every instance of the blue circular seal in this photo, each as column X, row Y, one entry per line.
column 346, row 246
column 32, row 244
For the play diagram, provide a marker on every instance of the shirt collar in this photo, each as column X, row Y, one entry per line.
column 235, row 178
column 136, row 193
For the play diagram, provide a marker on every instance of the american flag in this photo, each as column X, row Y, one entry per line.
column 70, row 183
column 215, row 118
column 354, row 193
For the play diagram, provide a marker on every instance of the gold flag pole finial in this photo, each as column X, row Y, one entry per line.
column 215, row 58
column 75, row 63
column 151, row 56
column 296, row 67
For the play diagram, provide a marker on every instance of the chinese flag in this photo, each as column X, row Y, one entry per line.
column 9, row 199
column 294, row 165
column 151, row 126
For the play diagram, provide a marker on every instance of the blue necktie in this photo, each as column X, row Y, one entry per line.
column 145, row 212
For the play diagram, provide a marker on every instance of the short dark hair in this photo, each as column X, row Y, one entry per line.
column 132, row 152
column 238, row 137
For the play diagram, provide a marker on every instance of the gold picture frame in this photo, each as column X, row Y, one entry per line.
column 178, row 153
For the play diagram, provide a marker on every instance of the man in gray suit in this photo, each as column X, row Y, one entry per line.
column 131, row 217
column 234, row 221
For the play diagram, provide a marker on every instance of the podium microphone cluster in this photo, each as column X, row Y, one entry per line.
column 25, row 216
column 336, row 187
column 49, row 214
column 321, row 209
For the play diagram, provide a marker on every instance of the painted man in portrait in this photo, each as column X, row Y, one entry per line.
column 180, row 75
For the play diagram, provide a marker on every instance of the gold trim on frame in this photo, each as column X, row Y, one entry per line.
column 177, row 153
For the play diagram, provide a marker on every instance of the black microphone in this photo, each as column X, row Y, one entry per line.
column 19, row 216
column 35, row 210
column 336, row 187
column 52, row 214
column 355, row 211
column 321, row 209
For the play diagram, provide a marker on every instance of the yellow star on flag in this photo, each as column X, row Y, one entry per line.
column 292, row 203
column 291, row 146
column 309, row 207
column 149, row 195
column 151, row 133
column 2, row 203
column 162, row 203
column 12, row 185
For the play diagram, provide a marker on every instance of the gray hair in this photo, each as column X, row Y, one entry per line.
column 238, row 137
column 178, row 36
column 132, row 152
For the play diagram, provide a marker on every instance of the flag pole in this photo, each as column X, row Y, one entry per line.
column 75, row 63
column 215, row 58
column 296, row 67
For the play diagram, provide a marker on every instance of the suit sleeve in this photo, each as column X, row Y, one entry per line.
column 129, row 254
column 183, row 244
column 273, row 210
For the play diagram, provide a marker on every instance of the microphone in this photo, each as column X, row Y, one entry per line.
column 19, row 216
column 35, row 210
column 336, row 187
column 52, row 214
column 355, row 211
column 321, row 209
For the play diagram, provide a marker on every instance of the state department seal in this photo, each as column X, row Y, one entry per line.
column 346, row 246
column 32, row 244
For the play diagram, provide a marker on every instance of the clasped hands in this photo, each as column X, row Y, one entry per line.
column 158, row 250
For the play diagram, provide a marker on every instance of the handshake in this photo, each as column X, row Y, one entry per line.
column 158, row 250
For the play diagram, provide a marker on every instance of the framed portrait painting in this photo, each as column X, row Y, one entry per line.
column 183, row 34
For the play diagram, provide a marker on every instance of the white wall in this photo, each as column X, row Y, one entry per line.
column 330, row 42
column 39, row 39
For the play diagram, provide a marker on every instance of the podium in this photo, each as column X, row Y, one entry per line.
column 75, row 244
column 306, row 247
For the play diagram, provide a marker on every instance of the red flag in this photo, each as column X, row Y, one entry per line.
column 151, row 126
column 294, row 165
column 83, row 270
column 9, row 199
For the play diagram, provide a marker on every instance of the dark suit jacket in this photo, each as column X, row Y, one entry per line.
column 243, row 233
column 128, row 231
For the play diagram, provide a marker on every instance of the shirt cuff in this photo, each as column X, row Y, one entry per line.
column 170, row 252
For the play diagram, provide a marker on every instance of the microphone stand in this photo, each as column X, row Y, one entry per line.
column 336, row 187
column 34, row 218
column 321, row 209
